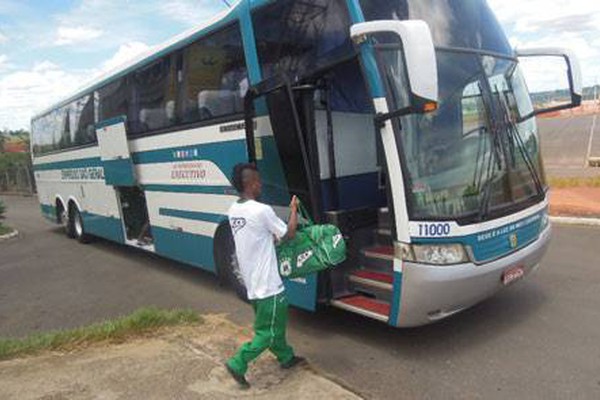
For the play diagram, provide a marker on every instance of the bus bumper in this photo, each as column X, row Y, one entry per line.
column 432, row 293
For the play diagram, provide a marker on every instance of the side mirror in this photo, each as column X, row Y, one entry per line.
column 416, row 51
column 553, row 77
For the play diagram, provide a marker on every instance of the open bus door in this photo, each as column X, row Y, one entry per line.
column 292, row 149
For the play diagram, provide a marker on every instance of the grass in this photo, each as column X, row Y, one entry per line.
column 4, row 229
column 140, row 322
column 574, row 182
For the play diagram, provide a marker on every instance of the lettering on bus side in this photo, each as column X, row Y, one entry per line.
column 189, row 171
column 82, row 174
column 434, row 229
column 238, row 126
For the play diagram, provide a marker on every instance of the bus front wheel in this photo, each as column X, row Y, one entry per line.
column 228, row 269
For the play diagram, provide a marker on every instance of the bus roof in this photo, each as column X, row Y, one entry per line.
column 155, row 52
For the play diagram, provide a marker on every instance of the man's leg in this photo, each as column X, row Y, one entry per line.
column 279, row 346
column 262, row 337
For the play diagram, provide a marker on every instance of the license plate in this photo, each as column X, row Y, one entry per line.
column 511, row 275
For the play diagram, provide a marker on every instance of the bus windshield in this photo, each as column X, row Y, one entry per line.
column 474, row 157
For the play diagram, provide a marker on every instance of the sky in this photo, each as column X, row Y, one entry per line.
column 49, row 48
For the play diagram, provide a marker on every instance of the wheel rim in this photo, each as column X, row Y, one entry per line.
column 64, row 218
column 78, row 225
column 235, row 269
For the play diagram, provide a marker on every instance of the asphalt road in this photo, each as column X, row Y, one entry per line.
column 565, row 142
column 539, row 339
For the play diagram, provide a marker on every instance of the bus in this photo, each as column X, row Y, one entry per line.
column 406, row 123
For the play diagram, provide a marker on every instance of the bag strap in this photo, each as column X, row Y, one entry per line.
column 304, row 213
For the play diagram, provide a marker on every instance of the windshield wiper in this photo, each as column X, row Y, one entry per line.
column 516, row 139
column 494, row 161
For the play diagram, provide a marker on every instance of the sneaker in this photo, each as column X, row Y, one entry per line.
column 239, row 378
column 293, row 362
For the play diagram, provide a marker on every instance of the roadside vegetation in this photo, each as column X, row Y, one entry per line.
column 139, row 323
column 11, row 160
column 574, row 182
column 3, row 228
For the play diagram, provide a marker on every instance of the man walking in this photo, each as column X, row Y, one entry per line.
column 255, row 228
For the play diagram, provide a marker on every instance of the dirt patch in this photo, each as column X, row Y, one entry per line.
column 575, row 201
column 179, row 363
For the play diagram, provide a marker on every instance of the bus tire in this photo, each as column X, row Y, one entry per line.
column 228, row 270
column 76, row 221
column 62, row 218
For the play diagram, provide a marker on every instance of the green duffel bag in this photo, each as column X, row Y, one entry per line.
column 315, row 248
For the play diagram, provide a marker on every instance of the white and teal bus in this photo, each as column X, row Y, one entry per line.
column 407, row 123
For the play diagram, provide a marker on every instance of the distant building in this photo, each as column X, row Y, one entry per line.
column 14, row 145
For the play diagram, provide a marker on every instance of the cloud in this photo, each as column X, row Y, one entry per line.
column 5, row 64
column 73, row 35
column 126, row 52
column 3, row 38
column 24, row 91
column 192, row 12
column 574, row 24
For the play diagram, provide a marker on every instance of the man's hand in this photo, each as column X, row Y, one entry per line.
column 293, row 222
column 294, row 204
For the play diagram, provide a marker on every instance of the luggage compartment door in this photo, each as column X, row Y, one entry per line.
column 114, row 153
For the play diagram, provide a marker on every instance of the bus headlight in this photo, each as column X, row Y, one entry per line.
column 440, row 254
column 545, row 221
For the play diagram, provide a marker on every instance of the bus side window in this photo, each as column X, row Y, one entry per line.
column 154, row 90
column 213, row 76
column 113, row 99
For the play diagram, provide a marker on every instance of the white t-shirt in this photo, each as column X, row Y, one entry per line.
column 255, row 227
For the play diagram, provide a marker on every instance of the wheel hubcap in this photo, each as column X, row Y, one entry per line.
column 78, row 226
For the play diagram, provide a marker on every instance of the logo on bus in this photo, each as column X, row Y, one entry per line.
column 186, row 153
column 513, row 240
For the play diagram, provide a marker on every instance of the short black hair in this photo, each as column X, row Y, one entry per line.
column 238, row 171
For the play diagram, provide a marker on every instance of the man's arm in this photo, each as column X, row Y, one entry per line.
column 277, row 227
column 293, row 221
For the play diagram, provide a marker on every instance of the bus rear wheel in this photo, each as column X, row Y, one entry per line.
column 76, row 221
column 228, row 269
column 62, row 217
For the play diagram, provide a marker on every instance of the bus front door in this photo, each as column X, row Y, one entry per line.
column 281, row 141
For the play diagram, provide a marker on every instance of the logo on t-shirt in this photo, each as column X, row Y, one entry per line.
column 237, row 224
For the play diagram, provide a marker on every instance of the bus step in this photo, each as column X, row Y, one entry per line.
column 379, row 252
column 364, row 305
column 373, row 279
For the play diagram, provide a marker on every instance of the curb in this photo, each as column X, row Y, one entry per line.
column 576, row 221
column 11, row 235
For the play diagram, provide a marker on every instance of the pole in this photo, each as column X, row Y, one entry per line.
column 28, row 174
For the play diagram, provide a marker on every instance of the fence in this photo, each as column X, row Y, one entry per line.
column 17, row 179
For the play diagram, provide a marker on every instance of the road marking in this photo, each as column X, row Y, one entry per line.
column 589, row 151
